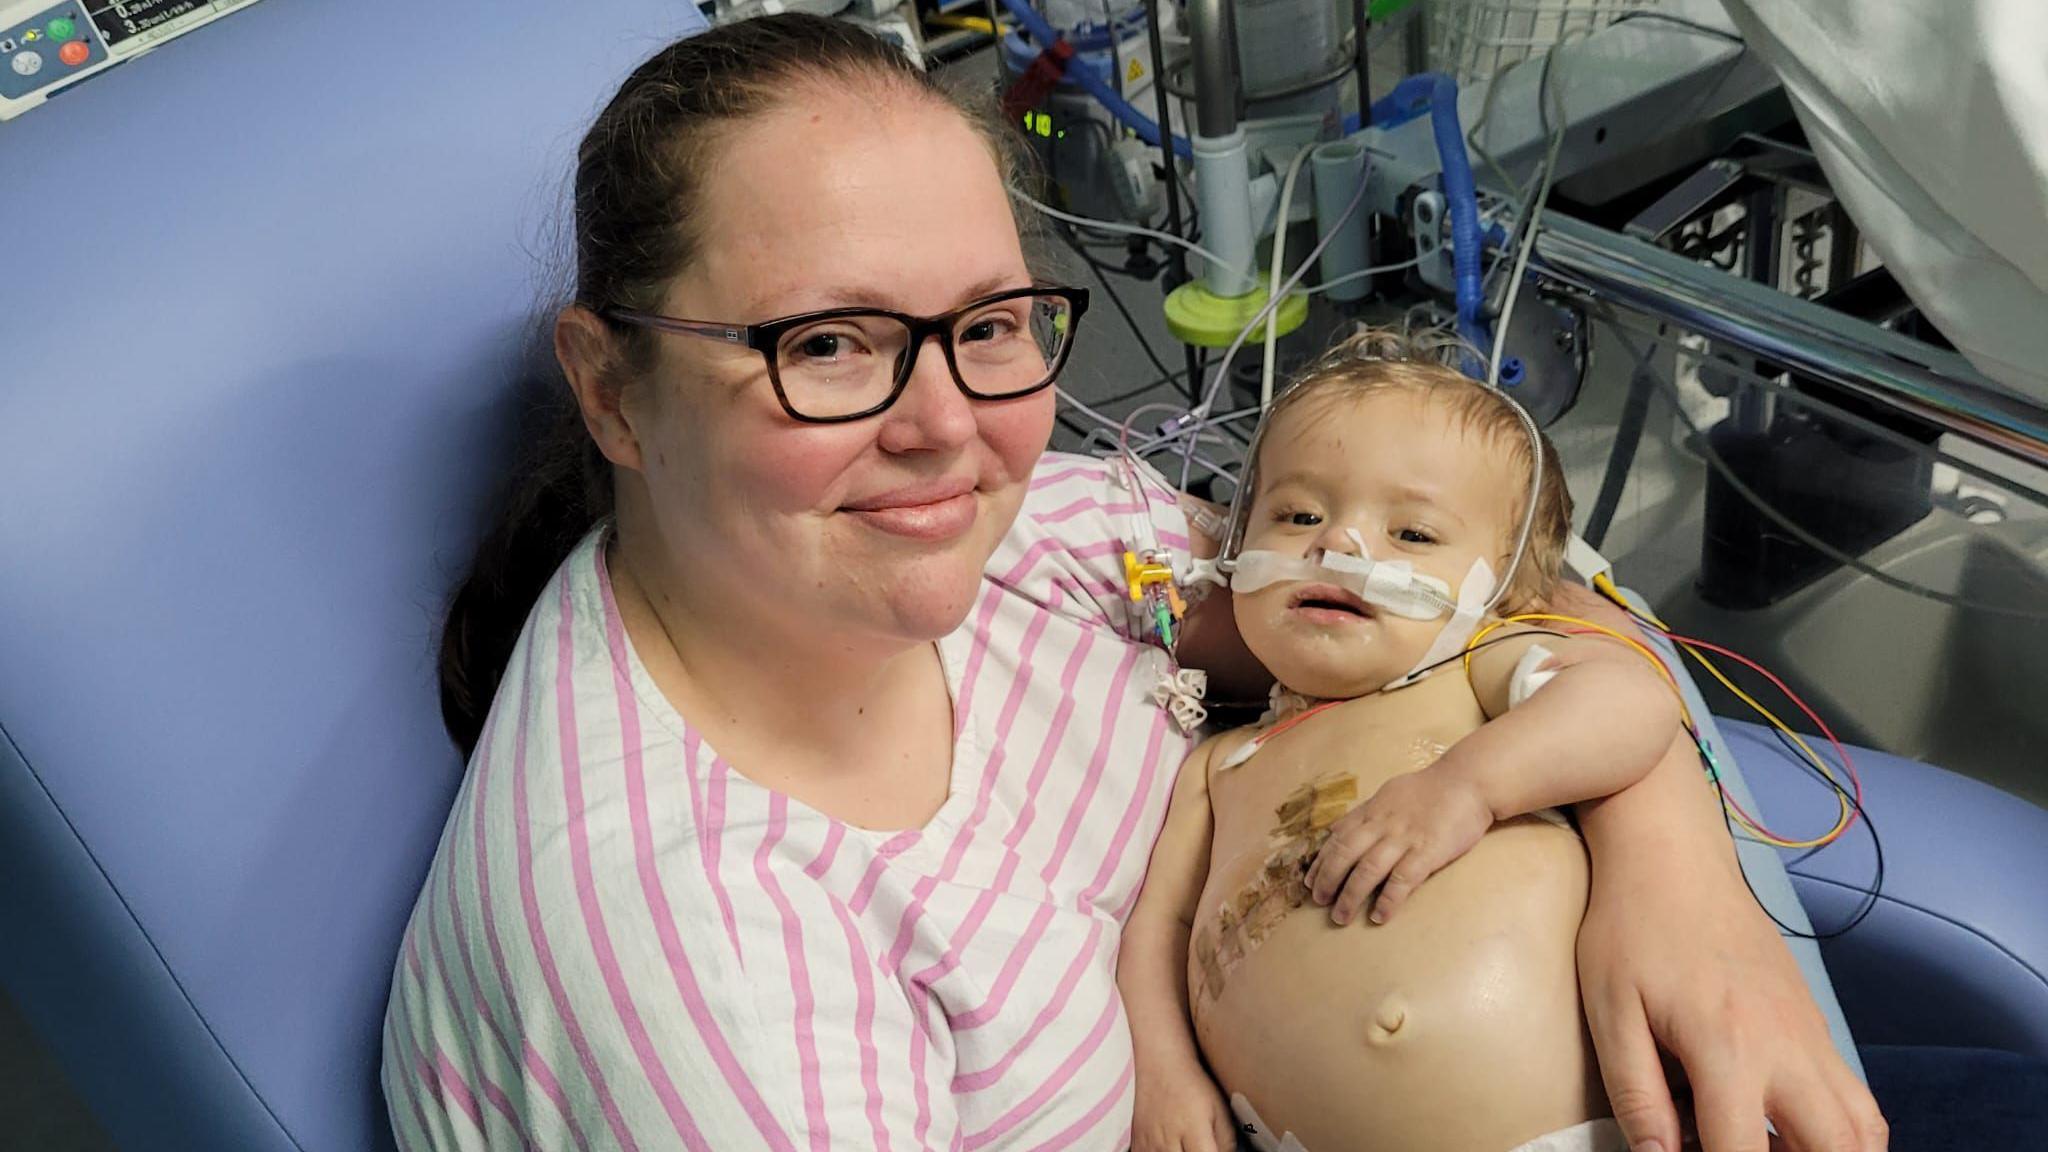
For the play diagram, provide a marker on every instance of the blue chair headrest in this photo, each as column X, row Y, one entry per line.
column 263, row 294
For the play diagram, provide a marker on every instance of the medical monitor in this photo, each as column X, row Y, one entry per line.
column 46, row 46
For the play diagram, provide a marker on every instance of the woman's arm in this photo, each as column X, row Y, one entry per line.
column 1674, row 954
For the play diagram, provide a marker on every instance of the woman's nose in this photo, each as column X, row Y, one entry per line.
column 932, row 413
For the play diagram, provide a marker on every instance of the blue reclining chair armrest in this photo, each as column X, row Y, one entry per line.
column 1955, row 951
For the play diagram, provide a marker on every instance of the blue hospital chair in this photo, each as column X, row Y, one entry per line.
column 263, row 295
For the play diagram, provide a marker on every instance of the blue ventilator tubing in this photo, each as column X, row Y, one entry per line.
column 1044, row 36
column 1461, row 200
column 1436, row 94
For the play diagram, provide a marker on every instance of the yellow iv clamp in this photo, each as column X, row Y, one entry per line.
column 1150, row 582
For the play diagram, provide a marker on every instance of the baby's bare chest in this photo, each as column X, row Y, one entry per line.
column 1303, row 778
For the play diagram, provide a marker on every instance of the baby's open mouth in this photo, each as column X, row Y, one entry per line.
column 1329, row 598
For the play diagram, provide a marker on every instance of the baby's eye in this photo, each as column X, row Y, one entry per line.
column 1302, row 519
column 1415, row 536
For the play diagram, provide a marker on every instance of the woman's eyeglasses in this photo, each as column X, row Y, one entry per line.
column 845, row 364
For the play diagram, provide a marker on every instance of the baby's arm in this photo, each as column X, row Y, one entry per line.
column 1178, row 1106
column 1598, row 724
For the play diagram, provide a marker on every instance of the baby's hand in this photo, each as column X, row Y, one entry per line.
column 1412, row 827
column 1181, row 1114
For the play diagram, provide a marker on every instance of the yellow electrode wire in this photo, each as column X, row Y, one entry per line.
column 1534, row 617
column 1841, row 822
column 1607, row 588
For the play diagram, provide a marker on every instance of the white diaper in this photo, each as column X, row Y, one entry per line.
column 1602, row 1135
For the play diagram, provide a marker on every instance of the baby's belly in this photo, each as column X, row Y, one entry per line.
column 1454, row 1028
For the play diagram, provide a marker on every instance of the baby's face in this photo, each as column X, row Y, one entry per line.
column 1398, row 469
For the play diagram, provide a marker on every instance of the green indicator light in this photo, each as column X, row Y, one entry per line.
column 61, row 29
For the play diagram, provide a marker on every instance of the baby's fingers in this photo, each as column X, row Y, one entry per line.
column 1407, row 875
column 1372, row 869
column 1335, row 858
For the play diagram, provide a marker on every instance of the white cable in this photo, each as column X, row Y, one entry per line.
column 1083, row 409
column 1348, row 277
column 1208, row 403
column 1128, row 230
column 1165, row 439
column 1517, row 272
column 1280, row 220
column 1122, row 430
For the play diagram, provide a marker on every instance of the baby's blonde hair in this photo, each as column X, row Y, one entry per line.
column 1378, row 360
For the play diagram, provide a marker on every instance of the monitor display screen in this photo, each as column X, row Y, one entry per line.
column 117, row 20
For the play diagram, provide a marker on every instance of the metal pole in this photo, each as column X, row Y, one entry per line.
column 1415, row 44
column 1361, row 23
column 1761, row 254
column 1176, row 259
column 1929, row 383
column 1212, row 36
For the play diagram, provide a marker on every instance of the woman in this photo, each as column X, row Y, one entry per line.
column 814, row 791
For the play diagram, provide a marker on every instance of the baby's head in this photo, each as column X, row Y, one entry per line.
column 1384, row 439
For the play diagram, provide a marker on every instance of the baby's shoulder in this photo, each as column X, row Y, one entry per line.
column 1221, row 748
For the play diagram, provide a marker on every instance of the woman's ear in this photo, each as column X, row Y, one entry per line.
column 588, row 351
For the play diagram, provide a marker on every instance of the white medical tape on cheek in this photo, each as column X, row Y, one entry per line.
column 1260, row 569
column 1395, row 585
column 1472, row 597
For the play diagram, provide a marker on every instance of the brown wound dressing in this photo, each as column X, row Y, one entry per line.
column 1250, row 914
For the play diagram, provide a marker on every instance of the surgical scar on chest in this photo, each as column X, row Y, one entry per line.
column 1422, row 752
column 1280, row 885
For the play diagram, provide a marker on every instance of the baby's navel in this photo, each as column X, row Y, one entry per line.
column 1389, row 1018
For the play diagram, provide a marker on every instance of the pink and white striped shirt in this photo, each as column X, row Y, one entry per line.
column 625, row 943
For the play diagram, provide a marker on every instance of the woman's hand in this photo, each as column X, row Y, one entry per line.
column 1410, row 829
column 1181, row 1113
column 1675, row 954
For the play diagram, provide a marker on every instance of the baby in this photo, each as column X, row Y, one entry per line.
column 1385, row 493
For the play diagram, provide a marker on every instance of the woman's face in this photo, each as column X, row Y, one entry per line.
column 871, row 530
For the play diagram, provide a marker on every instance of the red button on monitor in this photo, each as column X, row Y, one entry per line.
column 74, row 53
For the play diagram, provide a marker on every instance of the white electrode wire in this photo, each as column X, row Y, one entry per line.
column 1128, row 230
column 1528, row 226
column 1074, row 403
column 1530, row 223
column 1280, row 221
column 1122, row 430
column 1164, row 439
column 1208, row 404
column 1348, row 277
